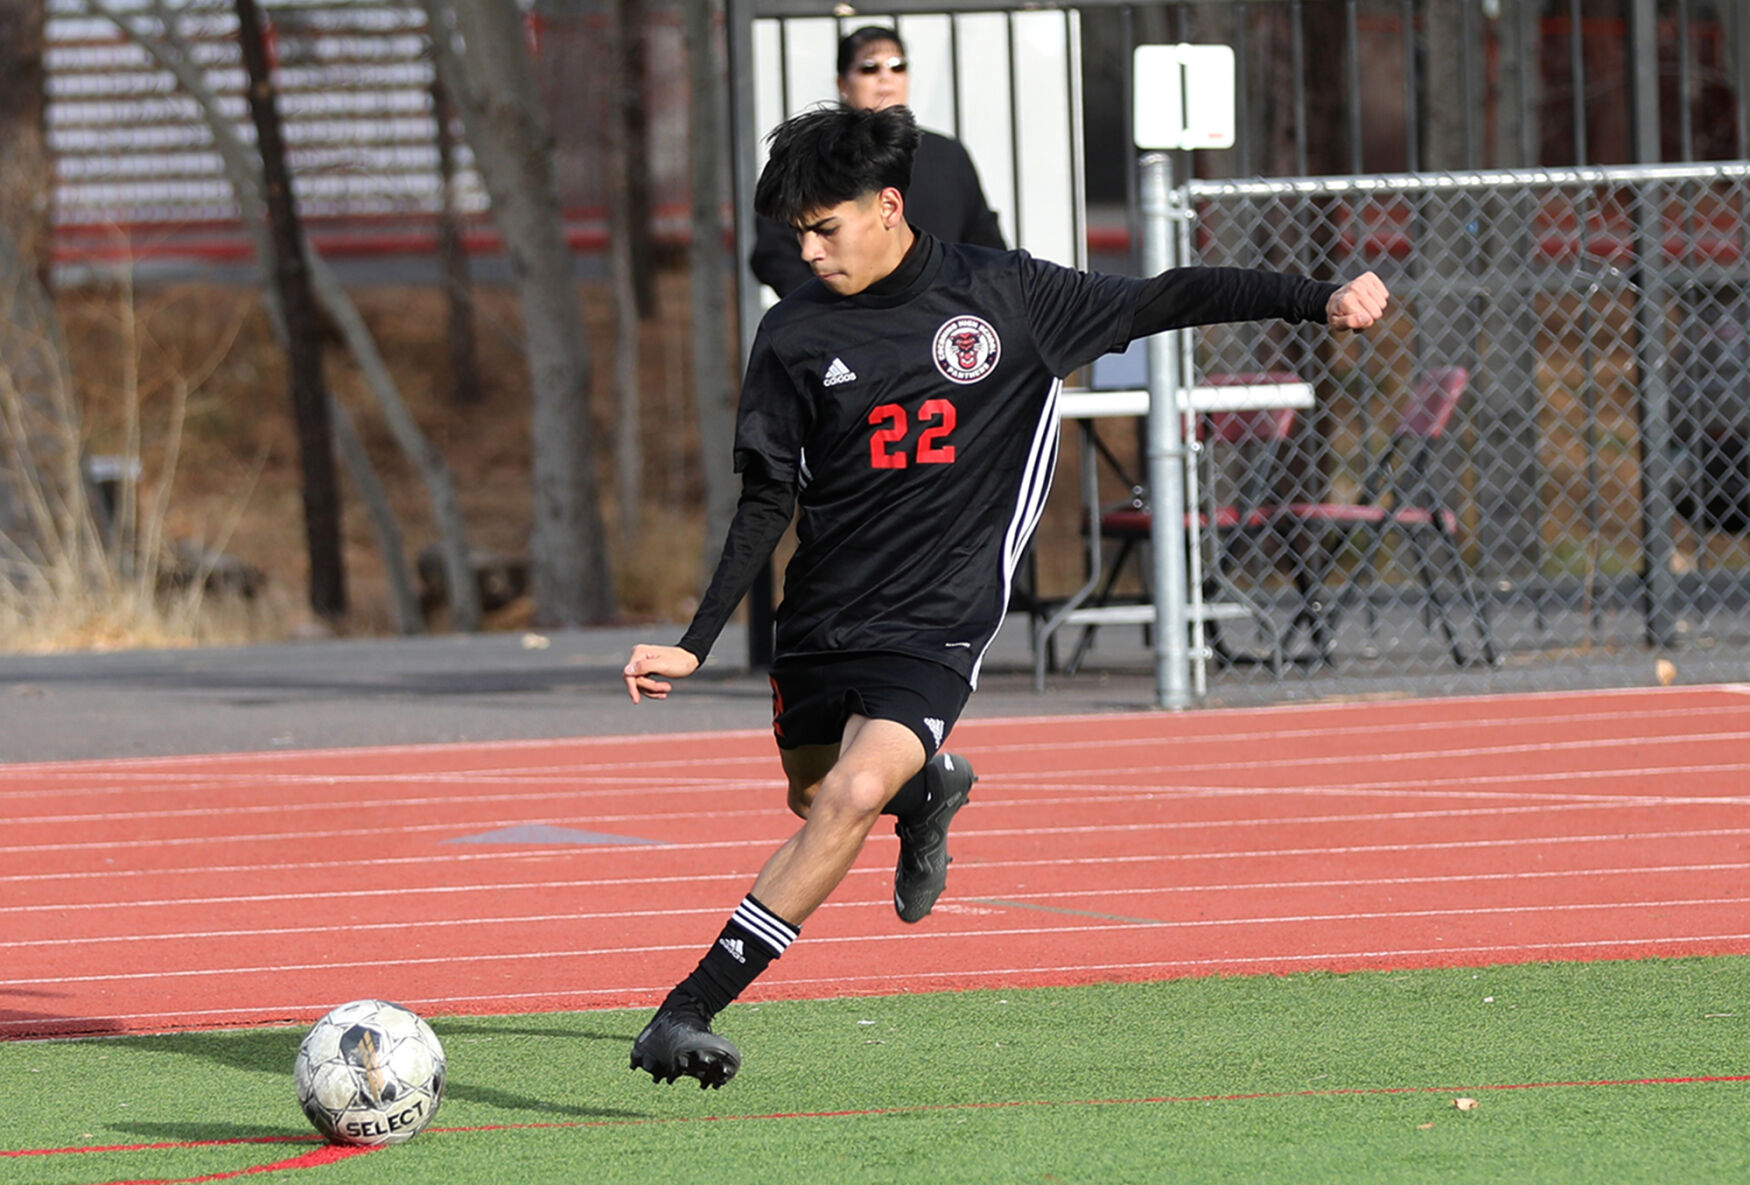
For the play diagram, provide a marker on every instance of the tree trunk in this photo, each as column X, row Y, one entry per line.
column 633, row 16
column 713, row 366
column 623, row 216
column 25, row 171
column 42, row 508
column 243, row 171
column 493, row 87
column 458, row 285
column 303, row 331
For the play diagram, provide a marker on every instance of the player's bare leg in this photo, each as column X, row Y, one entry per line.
column 924, row 807
column 876, row 758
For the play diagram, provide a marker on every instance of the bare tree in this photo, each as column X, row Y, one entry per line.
column 493, row 87
column 25, row 177
column 41, row 503
column 623, row 216
column 303, row 331
column 158, row 37
column 634, row 19
column 458, row 286
column 713, row 386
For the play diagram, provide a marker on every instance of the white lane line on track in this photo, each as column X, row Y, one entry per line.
column 1174, row 784
column 1013, row 784
column 609, row 785
column 966, row 865
column 603, row 850
column 501, row 957
column 82, row 771
column 1011, row 902
column 1157, row 795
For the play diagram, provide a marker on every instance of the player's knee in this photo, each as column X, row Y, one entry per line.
column 856, row 798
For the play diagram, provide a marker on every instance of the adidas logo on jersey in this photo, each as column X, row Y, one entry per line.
column 838, row 373
column 734, row 947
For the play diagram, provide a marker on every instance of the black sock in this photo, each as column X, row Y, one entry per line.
column 912, row 797
column 753, row 937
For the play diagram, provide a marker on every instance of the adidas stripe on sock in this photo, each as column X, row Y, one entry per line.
column 751, row 939
column 763, row 924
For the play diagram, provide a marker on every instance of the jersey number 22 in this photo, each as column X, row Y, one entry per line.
column 892, row 425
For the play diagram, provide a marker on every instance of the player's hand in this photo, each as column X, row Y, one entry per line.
column 1357, row 304
column 650, row 664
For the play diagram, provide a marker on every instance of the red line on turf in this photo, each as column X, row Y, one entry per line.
column 315, row 1158
column 160, row 1145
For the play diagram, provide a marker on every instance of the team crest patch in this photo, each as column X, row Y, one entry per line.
column 966, row 349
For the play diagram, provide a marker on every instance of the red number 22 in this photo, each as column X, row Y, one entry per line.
column 891, row 425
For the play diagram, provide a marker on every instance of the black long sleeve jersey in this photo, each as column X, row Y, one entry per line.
column 916, row 425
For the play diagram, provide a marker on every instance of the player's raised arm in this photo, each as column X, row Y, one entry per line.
column 649, row 665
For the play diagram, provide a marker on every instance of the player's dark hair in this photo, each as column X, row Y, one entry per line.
column 851, row 45
column 834, row 153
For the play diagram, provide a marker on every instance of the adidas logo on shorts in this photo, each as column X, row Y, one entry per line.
column 935, row 727
column 838, row 373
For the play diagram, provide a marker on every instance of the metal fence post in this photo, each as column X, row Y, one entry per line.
column 1166, row 452
column 1652, row 360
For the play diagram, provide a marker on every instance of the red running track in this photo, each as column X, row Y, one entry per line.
column 200, row 892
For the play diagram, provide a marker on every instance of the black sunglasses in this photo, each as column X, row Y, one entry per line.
column 873, row 65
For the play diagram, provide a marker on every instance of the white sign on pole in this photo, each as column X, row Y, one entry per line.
column 1184, row 96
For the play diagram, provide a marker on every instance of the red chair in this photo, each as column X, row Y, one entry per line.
column 1238, row 513
column 1397, row 493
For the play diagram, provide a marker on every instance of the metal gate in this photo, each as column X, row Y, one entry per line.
column 1542, row 453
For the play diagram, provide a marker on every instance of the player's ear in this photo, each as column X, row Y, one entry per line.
column 892, row 207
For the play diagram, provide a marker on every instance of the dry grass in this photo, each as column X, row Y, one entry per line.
column 188, row 379
column 124, row 616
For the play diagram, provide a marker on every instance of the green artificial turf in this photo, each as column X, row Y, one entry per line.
column 1303, row 1078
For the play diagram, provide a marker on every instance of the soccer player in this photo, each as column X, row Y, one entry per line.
column 906, row 400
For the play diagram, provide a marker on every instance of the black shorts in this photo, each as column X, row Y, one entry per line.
column 813, row 696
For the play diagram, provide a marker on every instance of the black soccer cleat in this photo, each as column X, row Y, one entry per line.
column 677, row 1043
column 922, row 872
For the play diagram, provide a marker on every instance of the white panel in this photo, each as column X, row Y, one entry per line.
column 986, row 113
column 812, row 48
column 768, row 83
column 1049, row 216
column 928, row 48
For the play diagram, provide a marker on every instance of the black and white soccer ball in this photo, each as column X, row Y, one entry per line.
column 370, row 1072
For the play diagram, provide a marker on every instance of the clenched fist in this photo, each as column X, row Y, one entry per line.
column 1357, row 304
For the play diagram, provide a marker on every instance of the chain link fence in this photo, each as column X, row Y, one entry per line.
column 1540, row 461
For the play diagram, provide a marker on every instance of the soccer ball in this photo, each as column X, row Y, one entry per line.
column 370, row 1072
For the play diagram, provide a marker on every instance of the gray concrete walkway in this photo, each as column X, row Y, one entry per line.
column 346, row 693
